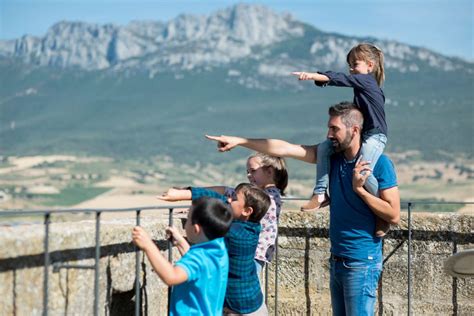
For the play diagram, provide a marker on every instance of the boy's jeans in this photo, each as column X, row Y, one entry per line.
column 372, row 147
column 354, row 286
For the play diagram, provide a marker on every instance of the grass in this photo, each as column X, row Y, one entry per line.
column 429, row 205
column 71, row 196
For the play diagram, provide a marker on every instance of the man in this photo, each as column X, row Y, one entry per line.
column 356, row 253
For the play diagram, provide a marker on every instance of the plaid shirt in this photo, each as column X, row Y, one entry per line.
column 269, row 222
column 197, row 192
column 243, row 294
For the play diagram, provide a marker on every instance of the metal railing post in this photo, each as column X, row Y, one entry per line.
column 97, row 264
column 266, row 283
column 47, row 218
column 170, row 253
column 276, row 275
column 409, row 258
column 137, row 273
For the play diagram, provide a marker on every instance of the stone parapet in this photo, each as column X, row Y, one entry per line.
column 303, row 278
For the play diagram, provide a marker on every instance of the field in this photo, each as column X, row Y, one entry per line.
column 39, row 182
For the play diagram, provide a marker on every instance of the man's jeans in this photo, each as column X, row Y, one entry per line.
column 354, row 285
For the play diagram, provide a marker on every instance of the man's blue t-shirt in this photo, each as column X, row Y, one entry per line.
column 207, row 267
column 352, row 223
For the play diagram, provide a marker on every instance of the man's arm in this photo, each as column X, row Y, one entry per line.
column 387, row 206
column 273, row 147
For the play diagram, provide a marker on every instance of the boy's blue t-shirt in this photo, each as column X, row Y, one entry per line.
column 352, row 223
column 207, row 267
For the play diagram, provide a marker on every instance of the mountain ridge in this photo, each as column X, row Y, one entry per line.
column 187, row 42
column 171, row 97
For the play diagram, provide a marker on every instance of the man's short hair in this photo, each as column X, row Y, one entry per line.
column 255, row 198
column 350, row 114
column 213, row 215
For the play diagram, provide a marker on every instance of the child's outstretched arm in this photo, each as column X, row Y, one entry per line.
column 175, row 194
column 170, row 274
column 178, row 240
column 218, row 188
column 192, row 193
column 311, row 76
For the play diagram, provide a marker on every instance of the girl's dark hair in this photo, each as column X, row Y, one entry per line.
column 278, row 164
column 213, row 215
column 255, row 198
column 366, row 52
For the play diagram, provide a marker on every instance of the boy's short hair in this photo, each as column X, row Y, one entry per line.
column 255, row 198
column 213, row 215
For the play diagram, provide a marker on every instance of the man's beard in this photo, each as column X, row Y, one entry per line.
column 344, row 144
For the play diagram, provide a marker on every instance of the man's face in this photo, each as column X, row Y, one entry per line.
column 340, row 136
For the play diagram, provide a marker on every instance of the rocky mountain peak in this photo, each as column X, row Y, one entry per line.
column 243, row 32
column 187, row 39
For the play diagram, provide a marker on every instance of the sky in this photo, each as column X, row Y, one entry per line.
column 445, row 26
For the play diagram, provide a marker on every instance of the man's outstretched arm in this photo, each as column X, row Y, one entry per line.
column 273, row 147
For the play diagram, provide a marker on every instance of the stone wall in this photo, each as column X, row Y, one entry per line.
column 303, row 278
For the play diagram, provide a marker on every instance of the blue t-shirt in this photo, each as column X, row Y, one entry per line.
column 207, row 267
column 352, row 223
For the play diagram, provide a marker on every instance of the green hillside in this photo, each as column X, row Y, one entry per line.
column 44, row 111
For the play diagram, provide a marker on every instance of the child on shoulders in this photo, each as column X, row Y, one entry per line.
column 366, row 76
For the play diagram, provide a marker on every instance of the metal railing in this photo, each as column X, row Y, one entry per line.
column 405, row 236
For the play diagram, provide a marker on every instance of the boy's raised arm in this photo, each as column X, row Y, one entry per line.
column 219, row 189
column 178, row 240
column 174, row 194
column 273, row 147
column 170, row 274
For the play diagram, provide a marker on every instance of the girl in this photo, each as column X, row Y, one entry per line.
column 270, row 174
column 366, row 77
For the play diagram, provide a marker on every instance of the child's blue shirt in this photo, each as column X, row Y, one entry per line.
column 207, row 267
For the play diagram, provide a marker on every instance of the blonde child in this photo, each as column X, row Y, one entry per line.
column 270, row 174
column 366, row 78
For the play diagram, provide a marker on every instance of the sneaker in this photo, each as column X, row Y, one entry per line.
column 316, row 202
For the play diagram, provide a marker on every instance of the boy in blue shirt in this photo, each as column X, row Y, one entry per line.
column 249, row 204
column 199, row 278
